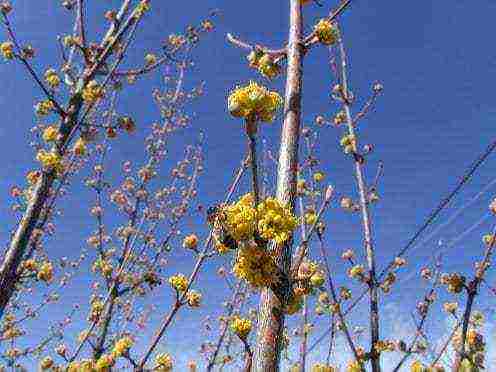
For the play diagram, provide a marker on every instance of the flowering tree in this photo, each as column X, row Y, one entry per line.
column 272, row 238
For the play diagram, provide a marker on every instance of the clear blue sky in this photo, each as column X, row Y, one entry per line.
column 435, row 59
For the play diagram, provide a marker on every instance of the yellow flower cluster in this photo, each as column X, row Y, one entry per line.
column 50, row 133
column 179, row 282
column 79, row 147
column 221, row 248
column 126, row 123
column 104, row 363
column 142, row 8
column 319, row 367
column 255, row 265
column 176, row 40
column 242, row 327
column 318, row 176
column 7, row 49
column 310, row 217
column 93, row 92
column 241, row 218
column 10, row 331
column 70, row 41
column 150, row 59
column 354, row 366
column 417, row 366
column 348, row 143
column 450, row 307
column 454, row 282
column 49, row 160
column 317, row 279
column 489, row 239
column 103, row 266
column 45, row 273
column 356, row 272
column 301, row 186
column 194, row 298
column 46, row 363
column 326, row 32
column 264, row 63
column 163, row 362
column 96, row 310
column 309, row 276
column 44, row 107
column 85, row 365
column 30, row 265
column 254, row 102
column 384, row 346
column 33, row 176
column 190, row 241
column 122, row 346
column 276, row 222
column 340, row 118
column 51, row 77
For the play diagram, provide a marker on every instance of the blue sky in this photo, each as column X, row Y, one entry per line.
column 434, row 58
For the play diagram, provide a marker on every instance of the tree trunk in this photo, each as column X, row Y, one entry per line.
column 271, row 316
column 20, row 240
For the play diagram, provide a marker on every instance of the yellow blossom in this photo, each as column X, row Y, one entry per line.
column 326, row 32
column 255, row 265
column 348, row 143
column 356, row 271
column 93, row 92
column 267, row 67
column 51, row 77
column 276, row 222
column 318, row 176
column 163, row 362
column 179, row 282
column 207, row 25
column 489, row 239
column 30, row 265
column 142, row 8
column 150, row 59
column 7, row 49
column 79, row 147
column 254, row 58
column 45, row 272
column 50, row 133
column 126, row 123
column 104, row 363
column 240, row 218
column 46, row 363
column 194, row 298
column 221, row 248
column 33, row 177
column 122, row 346
column 417, row 366
column 310, row 218
column 254, row 102
column 190, row 241
column 70, row 40
column 96, row 309
column 450, row 307
column 241, row 327
column 319, row 367
column 317, row 279
column 44, row 107
column 354, row 366
column 340, row 118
